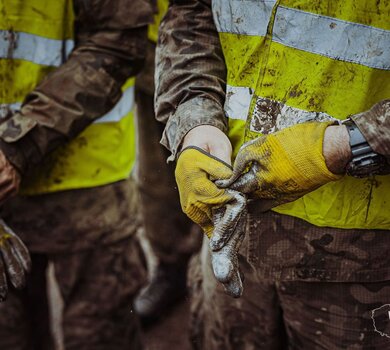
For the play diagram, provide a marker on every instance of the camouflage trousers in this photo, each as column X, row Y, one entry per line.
column 88, row 236
column 305, row 288
column 173, row 237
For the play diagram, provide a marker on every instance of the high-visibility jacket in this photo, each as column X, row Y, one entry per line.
column 162, row 7
column 291, row 61
column 43, row 37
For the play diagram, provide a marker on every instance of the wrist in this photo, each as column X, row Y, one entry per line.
column 211, row 139
column 336, row 148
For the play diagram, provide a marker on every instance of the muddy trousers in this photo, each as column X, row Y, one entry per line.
column 97, row 288
column 169, row 231
column 295, row 315
column 305, row 288
column 88, row 236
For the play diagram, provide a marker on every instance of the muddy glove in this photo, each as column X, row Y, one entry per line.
column 15, row 260
column 224, row 260
column 220, row 212
column 281, row 167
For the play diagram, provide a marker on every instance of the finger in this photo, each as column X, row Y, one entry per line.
column 224, row 261
column 226, row 223
column 3, row 281
column 14, row 269
column 225, row 265
column 234, row 287
column 245, row 183
column 21, row 252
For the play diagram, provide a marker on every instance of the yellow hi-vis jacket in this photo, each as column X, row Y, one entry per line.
column 291, row 61
column 162, row 8
column 105, row 151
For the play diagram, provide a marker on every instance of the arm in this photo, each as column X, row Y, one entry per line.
column 375, row 126
column 190, row 93
column 190, row 74
column 110, row 39
column 282, row 167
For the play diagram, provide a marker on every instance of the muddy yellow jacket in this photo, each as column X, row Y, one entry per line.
column 36, row 39
column 291, row 61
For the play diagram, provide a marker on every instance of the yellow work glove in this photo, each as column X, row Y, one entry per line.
column 220, row 212
column 15, row 260
column 281, row 167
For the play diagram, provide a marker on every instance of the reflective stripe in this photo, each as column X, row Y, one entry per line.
column 6, row 108
column 121, row 109
column 34, row 48
column 268, row 115
column 242, row 17
column 326, row 36
column 237, row 102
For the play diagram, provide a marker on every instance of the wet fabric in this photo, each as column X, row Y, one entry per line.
column 110, row 47
column 290, row 295
column 97, row 287
column 89, row 237
column 71, row 221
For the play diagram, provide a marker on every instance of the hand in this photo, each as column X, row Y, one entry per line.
column 210, row 139
column 9, row 179
column 221, row 213
column 15, row 260
column 282, row 167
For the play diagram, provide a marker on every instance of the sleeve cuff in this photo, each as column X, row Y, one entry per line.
column 197, row 111
column 374, row 128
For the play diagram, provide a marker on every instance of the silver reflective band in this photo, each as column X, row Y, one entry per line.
column 34, row 48
column 326, row 36
column 270, row 116
column 6, row 108
column 237, row 102
column 121, row 109
column 242, row 17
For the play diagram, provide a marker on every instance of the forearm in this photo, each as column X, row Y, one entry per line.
column 107, row 51
column 374, row 124
column 190, row 72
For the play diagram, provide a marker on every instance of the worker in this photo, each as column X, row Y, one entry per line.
column 282, row 105
column 172, row 236
column 67, row 136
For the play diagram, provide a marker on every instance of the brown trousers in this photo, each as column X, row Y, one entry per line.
column 169, row 231
column 88, row 236
column 305, row 288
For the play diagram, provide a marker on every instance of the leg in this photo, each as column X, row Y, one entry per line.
column 98, row 287
column 253, row 321
column 166, row 226
column 24, row 316
column 83, row 231
column 335, row 315
column 167, row 229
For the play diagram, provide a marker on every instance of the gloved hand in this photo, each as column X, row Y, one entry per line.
column 15, row 260
column 220, row 212
column 281, row 167
column 224, row 260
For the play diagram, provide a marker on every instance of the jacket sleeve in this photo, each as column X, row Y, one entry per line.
column 110, row 37
column 190, row 72
column 375, row 127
